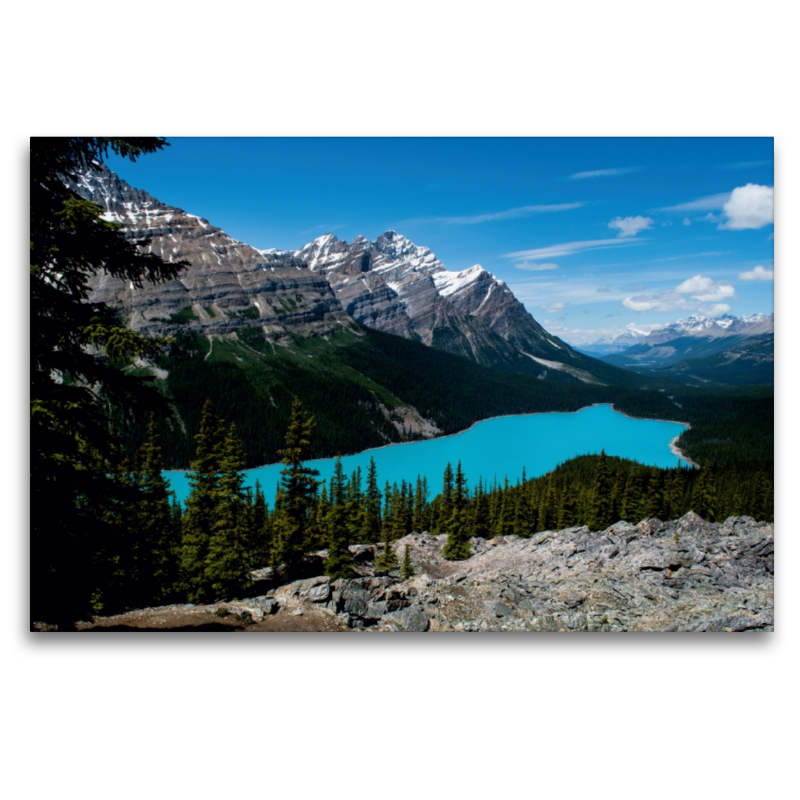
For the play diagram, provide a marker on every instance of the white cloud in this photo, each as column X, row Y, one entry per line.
column 687, row 221
column 630, row 226
column 757, row 274
column 696, row 284
column 554, row 308
column 570, row 248
column 600, row 173
column 750, row 207
column 530, row 266
column 511, row 213
column 666, row 301
column 721, row 292
column 700, row 289
column 705, row 290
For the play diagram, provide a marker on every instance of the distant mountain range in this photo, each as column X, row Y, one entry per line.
column 389, row 284
column 720, row 350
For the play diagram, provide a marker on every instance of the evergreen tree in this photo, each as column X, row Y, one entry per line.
column 229, row 557
column 407, row 568
column 599, row 516
column 566, row 508
column 298, row 487
column 156, row 520
column 445, row 506
column 419, row 518
column 704, row 499
column 340, row 562
column 457, row 546
column 386, row 562
column 198, row 519
column 76, row 344
column 631, row 508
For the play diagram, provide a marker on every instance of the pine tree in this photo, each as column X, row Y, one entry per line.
column 704, row 499
column 229, row 557
column 445, row 506
column 457, row 546
column 161, row 538
column 340, row 562
column 76, row 345
column 599, row 516
column 298, row 487
column 421, row 518
column 407, row 568
column 566, row 508
column 198, row 519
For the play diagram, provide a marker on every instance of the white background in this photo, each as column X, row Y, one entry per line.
column 394, row 716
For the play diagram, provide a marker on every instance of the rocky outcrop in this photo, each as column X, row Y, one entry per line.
column 686, row 575
column 228, row 284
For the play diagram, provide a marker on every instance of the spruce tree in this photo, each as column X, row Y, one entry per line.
column 77, row 344
column 386, row 562
column 406, row 568
column 229, row 557
column 371, row 520
column 599, row 516
column 704, row 499
column 457, row 546
column 445, row 506
column 421, row 517
column 159, row 571
column 198, row 519
column 340, row 562
column 298, row 487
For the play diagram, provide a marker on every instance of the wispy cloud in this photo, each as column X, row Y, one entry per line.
column 712, row 202
column 511, row 213
column 554, row 308
column 570, row 248
column 758, row 274
column 630, row 226
column 603, row 173
column 745, row 164
column 326, row 228
column 531, row 267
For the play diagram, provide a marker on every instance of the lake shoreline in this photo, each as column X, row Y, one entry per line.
column 674, row 449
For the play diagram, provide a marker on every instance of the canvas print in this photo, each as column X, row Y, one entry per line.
column 383, row 385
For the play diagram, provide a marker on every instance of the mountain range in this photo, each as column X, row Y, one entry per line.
column 700, row 350
column 389, row 285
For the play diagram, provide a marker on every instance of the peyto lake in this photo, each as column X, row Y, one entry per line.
column 495, row 449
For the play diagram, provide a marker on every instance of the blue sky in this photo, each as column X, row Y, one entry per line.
column 592, row 234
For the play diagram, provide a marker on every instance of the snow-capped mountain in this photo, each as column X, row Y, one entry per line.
column 694, row 326
column 707, row 344
column 713, row 327
column 228, row 283
column 396, row 286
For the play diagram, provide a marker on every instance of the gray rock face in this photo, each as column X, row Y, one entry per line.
column 228, row 284
column 393, row 285
column 686, row 575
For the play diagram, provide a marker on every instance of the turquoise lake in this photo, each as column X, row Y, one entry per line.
column 495, row 449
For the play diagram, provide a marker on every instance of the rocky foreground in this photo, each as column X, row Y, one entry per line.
column 686, row 575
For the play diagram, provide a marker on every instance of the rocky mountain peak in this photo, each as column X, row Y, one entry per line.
column 228, row 284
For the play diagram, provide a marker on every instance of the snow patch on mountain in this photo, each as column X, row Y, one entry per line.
column 448, row 283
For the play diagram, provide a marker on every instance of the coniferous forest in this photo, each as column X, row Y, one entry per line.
column 107, row 536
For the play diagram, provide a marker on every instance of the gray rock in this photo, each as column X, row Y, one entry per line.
column 411, row 618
